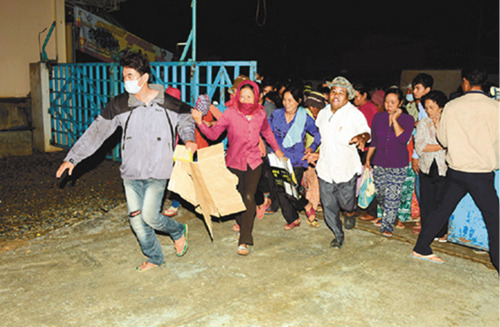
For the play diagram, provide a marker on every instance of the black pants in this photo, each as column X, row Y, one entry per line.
column 267, row 185
column 290, row 205
column 247, row 185
column 431, row 192
column 458, row 184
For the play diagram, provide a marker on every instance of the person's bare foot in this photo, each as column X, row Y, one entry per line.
column 261, row 209
column 429, row 258
column 292, row 225
column 242, row 249
column 400, row 225
column 145, row 266
column 367, row 217
column 179, row 245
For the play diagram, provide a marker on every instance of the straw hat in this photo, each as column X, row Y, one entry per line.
column 341, row 81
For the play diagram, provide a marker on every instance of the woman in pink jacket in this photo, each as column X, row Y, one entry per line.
column 244, row 120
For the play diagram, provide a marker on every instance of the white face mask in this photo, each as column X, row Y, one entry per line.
column 409, row 97
column 132, row 87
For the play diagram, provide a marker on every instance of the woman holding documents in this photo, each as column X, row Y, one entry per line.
column 290, row 125
column 244, row 120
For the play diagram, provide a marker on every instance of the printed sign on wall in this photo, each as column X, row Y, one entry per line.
column 107, row 42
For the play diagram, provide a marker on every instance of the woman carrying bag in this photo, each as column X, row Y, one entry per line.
column 289, row 125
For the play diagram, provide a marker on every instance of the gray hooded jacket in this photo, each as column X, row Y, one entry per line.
column 148, row 134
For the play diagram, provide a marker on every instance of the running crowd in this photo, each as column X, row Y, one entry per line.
column 425, row 151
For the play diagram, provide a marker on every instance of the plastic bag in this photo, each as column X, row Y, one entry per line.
column 367, row 189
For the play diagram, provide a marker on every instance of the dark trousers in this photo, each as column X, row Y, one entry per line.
column 431, row 192
column 336, row 197
column 290, row 205
column 458, row 184
column 247, row 186
column 267, row 185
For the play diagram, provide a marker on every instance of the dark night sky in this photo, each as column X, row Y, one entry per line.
column 310, row 40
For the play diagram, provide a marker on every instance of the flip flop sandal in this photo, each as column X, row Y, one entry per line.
column 387, row 234
column 428, row 258
column 263, row 208
column 184, row 250
column 367, row 217
column 170, row 213
column 242, row 250
column 292, row 225
column 443, row 239
column 311, row 222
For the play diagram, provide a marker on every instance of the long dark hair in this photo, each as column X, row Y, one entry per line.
column 296, row 93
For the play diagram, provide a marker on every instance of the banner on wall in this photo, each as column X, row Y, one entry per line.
column 107, row 42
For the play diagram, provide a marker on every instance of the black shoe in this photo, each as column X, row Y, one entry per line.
column 349, row 222
column 336, row 244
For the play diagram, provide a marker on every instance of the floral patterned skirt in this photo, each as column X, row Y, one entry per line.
column 408, row 206
column 311, row 184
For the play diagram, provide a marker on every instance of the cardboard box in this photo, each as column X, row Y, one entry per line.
column 207, row 184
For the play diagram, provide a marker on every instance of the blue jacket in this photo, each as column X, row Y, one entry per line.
column 280, row 128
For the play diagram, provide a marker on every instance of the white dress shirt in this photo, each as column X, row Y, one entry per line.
column 338, row 160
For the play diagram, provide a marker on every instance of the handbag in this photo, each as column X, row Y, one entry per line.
column 367, row 189
column 284, row 177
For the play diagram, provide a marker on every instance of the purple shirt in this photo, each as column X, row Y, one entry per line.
column 391, row 151
column 243, row 137
column 280, row 128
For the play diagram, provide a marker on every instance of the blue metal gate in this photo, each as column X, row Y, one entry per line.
column 78, row 92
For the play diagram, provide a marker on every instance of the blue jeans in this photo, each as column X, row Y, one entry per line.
column 335, row 197
column 144, row 200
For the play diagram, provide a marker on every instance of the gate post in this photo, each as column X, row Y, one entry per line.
column 40, row 102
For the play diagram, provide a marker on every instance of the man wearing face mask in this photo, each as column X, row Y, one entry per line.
column 149, row 119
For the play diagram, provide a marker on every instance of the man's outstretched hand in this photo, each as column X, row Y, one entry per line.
column 65, row 165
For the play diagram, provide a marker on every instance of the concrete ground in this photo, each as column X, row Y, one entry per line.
column 84, row 275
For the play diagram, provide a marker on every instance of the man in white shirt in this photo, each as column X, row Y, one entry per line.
column 342, row 128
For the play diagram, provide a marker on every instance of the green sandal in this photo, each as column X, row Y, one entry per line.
column 184, row 250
